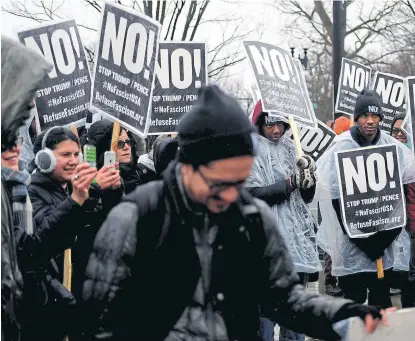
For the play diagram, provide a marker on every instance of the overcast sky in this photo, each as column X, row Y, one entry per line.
column 254, row 13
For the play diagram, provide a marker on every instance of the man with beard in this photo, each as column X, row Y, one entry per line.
column 22, row 71
column 354, row 259
column 194, row 256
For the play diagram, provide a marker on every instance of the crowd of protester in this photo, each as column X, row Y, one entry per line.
column 204, row 236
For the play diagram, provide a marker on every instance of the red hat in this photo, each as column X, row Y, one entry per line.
column 257, row 112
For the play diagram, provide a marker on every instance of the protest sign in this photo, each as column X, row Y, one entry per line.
column 391, row 91
column 315, row 141
column 278, row 82
column 371, row 190
column 181, row 71
column 300, row 72
column 399, row 327
column 409, row 123
column 124, row 67
column 354, row 77
column 63, row 97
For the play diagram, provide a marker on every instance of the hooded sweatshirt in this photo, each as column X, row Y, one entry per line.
column 22, row 71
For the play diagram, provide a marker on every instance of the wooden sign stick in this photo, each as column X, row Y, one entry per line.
column 296, row 136
column 115, row 135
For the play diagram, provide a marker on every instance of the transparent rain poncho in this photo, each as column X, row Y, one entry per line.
column 275, row 162
column 347, row 258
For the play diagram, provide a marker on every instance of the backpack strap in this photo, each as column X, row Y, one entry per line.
column 148, row 199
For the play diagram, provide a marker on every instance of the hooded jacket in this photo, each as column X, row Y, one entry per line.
column 149, row 166
column 164, row 152
column 409, row 189
column 250, row 266
column 22, row 72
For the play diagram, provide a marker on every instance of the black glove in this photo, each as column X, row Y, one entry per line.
column 355, row 309
column 304, row 179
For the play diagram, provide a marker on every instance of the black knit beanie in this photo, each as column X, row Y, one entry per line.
column 368, row 101
column 216, row 128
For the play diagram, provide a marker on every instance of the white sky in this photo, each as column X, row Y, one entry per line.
column 254, row 13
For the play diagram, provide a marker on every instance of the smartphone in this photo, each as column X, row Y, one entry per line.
column 90, row 155
column 109, row 158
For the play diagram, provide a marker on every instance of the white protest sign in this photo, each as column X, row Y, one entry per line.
column 371, row 190
column 124, row 67
column 391, row 90
column 400, row 328
column 279, row 83
column 354, row 77
column 181, row 70
column 63, row 97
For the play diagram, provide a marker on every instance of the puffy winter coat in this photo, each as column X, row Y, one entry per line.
column 52, row 205
column 144, row 270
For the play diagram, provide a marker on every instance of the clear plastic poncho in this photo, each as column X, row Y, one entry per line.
column 275, row 162
column 346, row 257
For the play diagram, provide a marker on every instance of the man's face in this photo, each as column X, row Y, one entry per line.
column 398, row 133
column 124, row 153
column 274, row 131
column 67, row 158
column 217, row 185
column 368, row 124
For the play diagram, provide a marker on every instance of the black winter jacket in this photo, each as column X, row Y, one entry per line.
column 53, row 206
column 144, row 270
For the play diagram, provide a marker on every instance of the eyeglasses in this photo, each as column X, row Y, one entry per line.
column 221, row 186
column 121, row 143
column 397, row 131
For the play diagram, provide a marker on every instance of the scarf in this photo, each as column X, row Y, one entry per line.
column 19, row 181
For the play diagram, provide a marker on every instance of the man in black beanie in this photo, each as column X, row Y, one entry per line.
column 367, row 115
column 194, row 256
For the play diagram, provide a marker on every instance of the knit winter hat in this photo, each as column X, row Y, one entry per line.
column 368, row 102
column 260, row 117
column 216, row 128
column 341, row 124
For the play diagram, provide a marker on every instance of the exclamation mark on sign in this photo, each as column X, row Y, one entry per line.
column 150, row 45
column 367, row 79
column 391, row 168
column 322, row 145
column 75, row 44
column 197, row 62
column 288, row 60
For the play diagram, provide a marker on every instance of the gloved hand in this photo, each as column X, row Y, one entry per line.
column 359, row 310
column 306, row 162
column 304, row 178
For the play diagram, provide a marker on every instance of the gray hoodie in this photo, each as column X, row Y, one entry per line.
column 22, row 71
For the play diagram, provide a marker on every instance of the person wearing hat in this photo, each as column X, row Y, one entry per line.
column 193, row 256
column 287, row 185
column 354, row 259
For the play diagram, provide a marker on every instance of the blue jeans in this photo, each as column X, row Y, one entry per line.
column 266, row 329
column 289, row 335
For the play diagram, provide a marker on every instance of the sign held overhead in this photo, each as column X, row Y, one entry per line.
column 180, row 73
column 63, row 97
column 124, row 67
